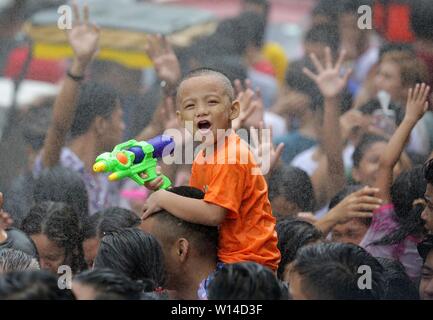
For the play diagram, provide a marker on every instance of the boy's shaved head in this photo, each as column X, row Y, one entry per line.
column 228, row 87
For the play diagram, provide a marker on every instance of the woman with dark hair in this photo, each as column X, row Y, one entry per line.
column 134, row 253
column 55, row 229
column 91, row 284
column 292, row 235
column 61, row 184
column 103, row 222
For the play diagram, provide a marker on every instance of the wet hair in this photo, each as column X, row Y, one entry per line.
column 224, row 80
column 94, row 100
column 398, row 285
column 348, row 190
column 60, row 184
column 407, row 187
column 363, row 146
column 205, row 238
column 16, row 260
column 32, row 285
column 425, row 246
column 109, row 220
column 428, row 171
column 60, row 224
column 245, row 281
column 108, row 281
column 133, row 253
column 326, row 34
column 295, row 185
column 292, row 235
column 35, row 122
column 329, row 271
column 18, row 240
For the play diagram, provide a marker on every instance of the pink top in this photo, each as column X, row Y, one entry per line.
column 383, row 223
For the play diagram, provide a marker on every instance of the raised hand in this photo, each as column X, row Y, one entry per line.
column 164, row 59
column 359, row 204
column 84, row 36
column 417, row 102
column 251, row 106
column 329, row 79
column 264, row 149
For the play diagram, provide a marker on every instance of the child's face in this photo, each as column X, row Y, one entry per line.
column 388, row 79
column 204, row 103
column 369, row 164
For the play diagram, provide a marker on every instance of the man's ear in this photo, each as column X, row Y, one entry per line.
column 100, row 125
column 235, row 109
column 182, row 247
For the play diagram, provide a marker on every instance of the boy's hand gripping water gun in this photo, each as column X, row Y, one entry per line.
column 131, row 158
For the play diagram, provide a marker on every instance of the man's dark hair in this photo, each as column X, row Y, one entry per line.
column 246, row 281
column 136, row 254
column 363, row 146
column 61, row 224
column 330, row 271
column 398, row 285
column 325, row 33
column 428, row 171
column 295, row 185
column 109, row 220
column 292, row 235
column 205, row 238
column 60, row 184
column 94, row 100
column 32, row 285
column 108, row 281
column 425, row 246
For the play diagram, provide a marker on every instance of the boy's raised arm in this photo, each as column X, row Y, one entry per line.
column 331, row 83
column 84, row 40
column 416, row 107
column 192, row 210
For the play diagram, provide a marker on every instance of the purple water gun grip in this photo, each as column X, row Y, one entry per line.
column 163, row 146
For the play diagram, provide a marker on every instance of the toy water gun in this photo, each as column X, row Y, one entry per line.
column 131, row 158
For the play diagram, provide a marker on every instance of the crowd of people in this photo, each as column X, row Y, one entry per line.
column 345, row 210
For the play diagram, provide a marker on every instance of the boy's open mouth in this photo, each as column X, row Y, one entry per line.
column 204, row 126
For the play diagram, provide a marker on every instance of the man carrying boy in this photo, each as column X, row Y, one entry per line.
column 235, row 199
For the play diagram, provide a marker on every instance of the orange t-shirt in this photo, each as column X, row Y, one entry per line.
column 248, row 231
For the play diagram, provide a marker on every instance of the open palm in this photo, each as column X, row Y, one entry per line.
column 329, row 78
column 84, row 36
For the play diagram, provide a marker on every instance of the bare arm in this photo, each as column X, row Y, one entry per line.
column 188, row 209
column 84, row 39
column 416, row 106
column 331, row 84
